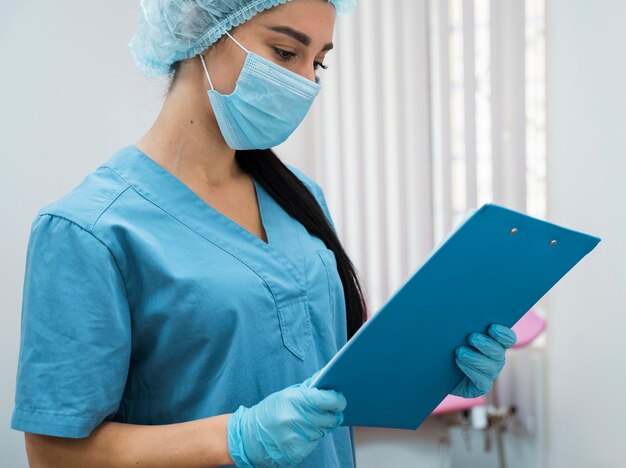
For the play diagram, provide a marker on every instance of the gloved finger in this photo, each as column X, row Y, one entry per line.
column 479, row 361
column 481, row 381
column 326, row 399
column 315, row 425
column 308, row 430
column 487, row 345
column 326, row 419
column 504, row 335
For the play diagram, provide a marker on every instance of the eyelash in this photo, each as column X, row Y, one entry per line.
column 291, row 54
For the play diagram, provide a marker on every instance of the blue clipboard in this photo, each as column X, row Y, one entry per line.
column 400, row 364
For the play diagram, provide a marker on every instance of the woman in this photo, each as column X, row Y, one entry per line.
column 178, row 301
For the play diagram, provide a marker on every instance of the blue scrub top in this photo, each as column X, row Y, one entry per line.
column 143, row 304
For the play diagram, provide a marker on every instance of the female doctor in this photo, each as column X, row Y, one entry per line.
column 179, row 300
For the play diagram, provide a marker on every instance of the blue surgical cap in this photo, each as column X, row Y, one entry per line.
column 173, row 30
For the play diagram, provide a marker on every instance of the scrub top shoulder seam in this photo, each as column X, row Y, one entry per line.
column 58, row 216
column 111, row 200
column 194, row 230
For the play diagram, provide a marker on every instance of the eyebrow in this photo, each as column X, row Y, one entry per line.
column 298, row 35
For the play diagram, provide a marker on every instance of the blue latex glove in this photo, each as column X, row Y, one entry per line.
column 284, row 428
column 482, row 362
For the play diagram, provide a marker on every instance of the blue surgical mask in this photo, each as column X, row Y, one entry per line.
column 268, row 104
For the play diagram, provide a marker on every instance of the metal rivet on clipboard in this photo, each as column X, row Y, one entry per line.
column 552, row 242
column 513, row 231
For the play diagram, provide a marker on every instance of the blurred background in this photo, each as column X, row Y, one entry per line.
column 429, row 108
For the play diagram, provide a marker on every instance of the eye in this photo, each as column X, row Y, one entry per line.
column 284, row 55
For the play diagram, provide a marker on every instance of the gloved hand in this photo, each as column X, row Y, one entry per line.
column 284, row 427
column 482, row 364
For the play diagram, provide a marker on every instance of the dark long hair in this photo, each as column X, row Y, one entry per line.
column 297, row 200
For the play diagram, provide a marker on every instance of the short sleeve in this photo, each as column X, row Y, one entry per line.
column 75, row 332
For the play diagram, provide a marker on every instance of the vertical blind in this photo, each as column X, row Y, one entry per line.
column 428, row 108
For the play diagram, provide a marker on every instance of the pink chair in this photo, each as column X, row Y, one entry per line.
column 453, row 403
column 528, row 328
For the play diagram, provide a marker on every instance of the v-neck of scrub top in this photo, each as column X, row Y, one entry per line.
column 279, row 262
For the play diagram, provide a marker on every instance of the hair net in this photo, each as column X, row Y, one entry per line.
column 173, row 30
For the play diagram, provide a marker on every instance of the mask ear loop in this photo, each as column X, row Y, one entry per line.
column 204, row 65
column 237, row 42
column 206, row 71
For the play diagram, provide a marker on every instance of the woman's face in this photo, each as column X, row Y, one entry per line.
column 297, row 35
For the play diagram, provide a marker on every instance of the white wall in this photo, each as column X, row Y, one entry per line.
column 586, row 173
column 70, row 96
